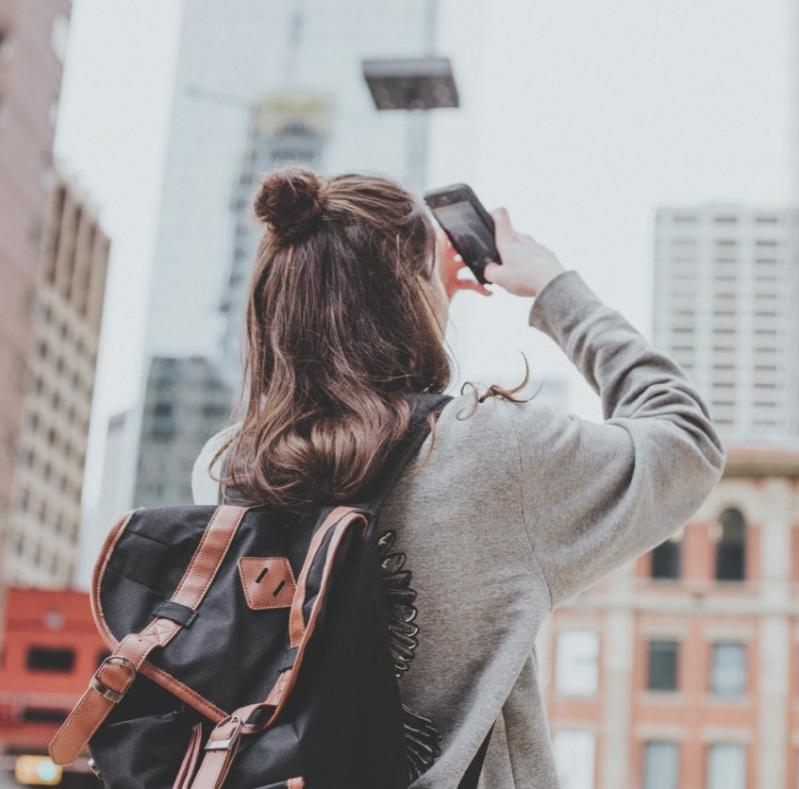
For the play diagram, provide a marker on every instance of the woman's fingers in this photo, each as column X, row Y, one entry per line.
column 472, row 284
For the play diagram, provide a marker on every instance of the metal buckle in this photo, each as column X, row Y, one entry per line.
column 230, row 742
column 95, row 769
column 114, row 696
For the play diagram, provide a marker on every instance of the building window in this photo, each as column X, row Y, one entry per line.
column 576, row 669
column 667, row 559
column 726, row 767
column 663, row 665
column 661, row 765
column 731, row 546
column 574, row 751
column 728, row 670
column 50, row 659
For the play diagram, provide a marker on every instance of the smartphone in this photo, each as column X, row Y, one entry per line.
column 467, row 224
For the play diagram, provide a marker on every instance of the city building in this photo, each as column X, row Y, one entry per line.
column 245, row 71
column 50, row 650
column 186, row 402
column 726, row 286
column 44, row 514
column 290, row 128
column 682, row 668
column 114, row 497
column 256, row 85
column 32, row 48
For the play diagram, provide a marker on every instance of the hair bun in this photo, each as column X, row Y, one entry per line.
column 290, row 202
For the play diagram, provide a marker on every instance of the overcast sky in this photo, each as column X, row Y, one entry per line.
column 580, row 116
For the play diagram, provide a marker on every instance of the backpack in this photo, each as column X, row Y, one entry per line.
column 256, row 649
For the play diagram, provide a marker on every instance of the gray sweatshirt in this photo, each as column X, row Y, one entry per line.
column 521, row 507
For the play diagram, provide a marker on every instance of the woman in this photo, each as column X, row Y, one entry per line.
column 510, row 507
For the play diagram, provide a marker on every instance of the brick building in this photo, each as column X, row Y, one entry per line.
column 44, row 515
column 681, row 670
column 32, row 45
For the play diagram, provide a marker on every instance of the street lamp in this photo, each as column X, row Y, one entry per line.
column 416, row 85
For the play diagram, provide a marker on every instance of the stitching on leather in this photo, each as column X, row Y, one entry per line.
column 97, row 610
column 233, row 530
column 170, row 683
column 245, row 585
column 198, row 553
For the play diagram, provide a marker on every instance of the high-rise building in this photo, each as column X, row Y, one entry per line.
column 290, row 128
column 114, row 499
column 32, row 48
column 256, row 85
column 682, row 669
column 45, row 510
column 243, row 68
column 726, row 289
column 186, row 402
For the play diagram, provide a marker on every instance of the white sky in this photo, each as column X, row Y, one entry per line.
column 581, row 117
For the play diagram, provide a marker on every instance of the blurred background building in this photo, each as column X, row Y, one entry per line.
column 289, row 128
column 45, row 510
column 725, row 294
column 32, row 48
column 257, row 85
column 186, row 400
column 682, row 669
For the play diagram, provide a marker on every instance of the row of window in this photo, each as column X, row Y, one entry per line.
column 54, row 439
column 720, row 219
column 577, row 665
column 729, row 532
column 60, row 366
column 30, row 459
column 55, row 399
column 57, row 660
column 64, row 332
column 575, row 755
column 727, row 677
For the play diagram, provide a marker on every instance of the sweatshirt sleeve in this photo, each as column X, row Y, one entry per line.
column 595, row 495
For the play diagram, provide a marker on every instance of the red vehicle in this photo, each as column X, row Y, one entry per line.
column 50, row 650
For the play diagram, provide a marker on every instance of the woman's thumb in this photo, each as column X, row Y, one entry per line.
column 502, row 226
column 492, row 273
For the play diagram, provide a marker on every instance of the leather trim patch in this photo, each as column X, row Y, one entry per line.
column 268, row 582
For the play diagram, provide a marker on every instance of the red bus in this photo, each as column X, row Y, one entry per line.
column 50, row 650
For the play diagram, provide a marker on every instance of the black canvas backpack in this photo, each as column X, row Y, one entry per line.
column 255, row 649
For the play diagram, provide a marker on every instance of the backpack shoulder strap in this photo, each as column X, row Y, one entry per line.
column 404, row 451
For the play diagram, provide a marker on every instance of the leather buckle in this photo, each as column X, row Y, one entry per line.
column 114, row 696
column 230, row 743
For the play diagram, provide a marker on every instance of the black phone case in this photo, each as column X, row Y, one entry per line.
column 432, row 199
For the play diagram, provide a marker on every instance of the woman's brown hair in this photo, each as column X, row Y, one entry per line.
column 340, row 329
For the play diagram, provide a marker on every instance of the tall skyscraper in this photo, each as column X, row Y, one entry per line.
column 290, row 128
column 185, row 403
column 32, row 47
column 726, row 289
column 257, row 84
column 244, row 61
column 45, row 511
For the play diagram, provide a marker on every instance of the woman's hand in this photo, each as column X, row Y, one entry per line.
column 450, row 264
column 527, row 266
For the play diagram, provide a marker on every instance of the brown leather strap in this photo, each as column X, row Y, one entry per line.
column 189, row 763
column 286, row 681
column 221, row 748
column 117, row 672
column 296, row 619
column 219, row 755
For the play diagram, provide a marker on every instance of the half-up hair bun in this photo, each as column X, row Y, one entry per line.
column 290, row 201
